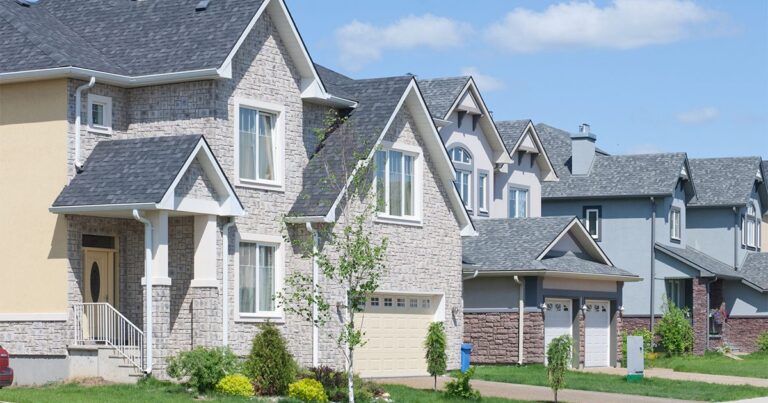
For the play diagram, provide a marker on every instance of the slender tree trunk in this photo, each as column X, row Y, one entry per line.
column 435, row 386
column 351, row 380
column 350, row 352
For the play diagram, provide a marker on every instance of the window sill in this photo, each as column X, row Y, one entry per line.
column 256, row 318
column 270, row 186
column 675, row 240
column 386, row 219
column 99, row 130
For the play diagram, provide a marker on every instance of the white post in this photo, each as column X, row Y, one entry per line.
column 225, row 282
column 148, row 277
column 205, row 252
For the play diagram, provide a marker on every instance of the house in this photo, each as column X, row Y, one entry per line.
column 648, row 213
column 764, row 230
column 171, row 171
column 527, row 279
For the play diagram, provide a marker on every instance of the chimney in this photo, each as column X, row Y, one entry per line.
column 582, row 150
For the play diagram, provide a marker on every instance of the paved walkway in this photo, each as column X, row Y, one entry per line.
column 528, row 392
column 686, row 376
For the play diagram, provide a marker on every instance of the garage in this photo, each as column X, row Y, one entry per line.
column 597, row 334
column 558, row 319
column 395, row 327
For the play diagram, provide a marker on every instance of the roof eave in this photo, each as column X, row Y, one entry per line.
column 548, row 273
column 111, row 78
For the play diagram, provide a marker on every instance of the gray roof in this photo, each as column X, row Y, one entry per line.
column 121, row 36
column 514, row 244
column 511, row 131
column 699, row 261
column 724, row 181
column 441, row 93
column 129, row 171
column 611, row 175
column 755, row 269
column 377, row 101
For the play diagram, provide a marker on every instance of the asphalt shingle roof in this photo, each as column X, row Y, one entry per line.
column 611, row 175
column 699, row 260
column 377, row 100
column 755, row 269
column 441, row 93
column 724, row 181
column 129, row 171
column 120, row 36
column 511, row 131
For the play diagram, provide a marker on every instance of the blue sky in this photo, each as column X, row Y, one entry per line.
column 648, row 75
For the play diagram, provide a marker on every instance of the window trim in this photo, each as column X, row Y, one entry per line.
column 278, row 315
column 278, row 184
column 468, row 202
column 518, row 188
column 675, row 224
column 599, row 221
column 418, row 181
column 483, row 209
column 106, row 128
column 751, row 237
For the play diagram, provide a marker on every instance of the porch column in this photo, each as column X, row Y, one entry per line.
column 161, row 293
column 205, row 252
column 206, row 305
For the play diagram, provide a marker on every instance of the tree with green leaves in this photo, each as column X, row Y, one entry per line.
column 347, row 254
column 435, row 345
column 558, row 357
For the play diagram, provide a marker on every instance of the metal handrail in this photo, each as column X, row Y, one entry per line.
column 100, row 323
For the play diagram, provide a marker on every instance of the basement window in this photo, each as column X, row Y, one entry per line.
column 99, row 114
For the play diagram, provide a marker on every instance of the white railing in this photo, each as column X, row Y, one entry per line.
column 99, row 323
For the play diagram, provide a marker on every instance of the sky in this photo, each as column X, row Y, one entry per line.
column 647, row 75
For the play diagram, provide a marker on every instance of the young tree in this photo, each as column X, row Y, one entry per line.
column 435, row 344
column 349, row 257
column 558, row 356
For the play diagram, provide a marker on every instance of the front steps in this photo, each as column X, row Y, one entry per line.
column 101, row 361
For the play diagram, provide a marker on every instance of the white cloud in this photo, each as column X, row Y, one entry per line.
column 623, row 24
column 484, row 82
column 701, row 115
column 645, row 149
column 361, row 43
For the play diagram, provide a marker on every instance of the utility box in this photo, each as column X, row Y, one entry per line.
column 635, row 358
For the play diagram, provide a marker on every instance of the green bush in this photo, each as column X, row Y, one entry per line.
column 307, row 390
column 203, row 367
column 762, row 342
column 269, row 365
column 435, row 345
column 558, row 358
column 460, row 388
column 674, row 330
column 647, row 343
column 335, row 385
column 235, row 385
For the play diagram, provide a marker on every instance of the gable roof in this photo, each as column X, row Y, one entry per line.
column 513, row 133
column 611, row 176
column 725, row 181
column 521, row 245
column 753, row 272
column 755, row 269
column 139, row 173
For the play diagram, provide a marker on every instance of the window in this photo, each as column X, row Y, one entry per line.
column 425, row 303
column 99, row 114
column 414, row 303
column 401, row 302
column 396, row 183
column 259, row 145
column 257, row 283
column 675, row 228
column 680, row 292
column 374, row 301
column 461, row 155
column 387, row 301
column 518, row 203
column 592, row 220
column 463, row 183
column 482, row 192
column 750, row 224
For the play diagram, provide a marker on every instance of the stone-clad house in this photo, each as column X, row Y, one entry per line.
column 680, row 217
column 549, row 269
column 192, row 157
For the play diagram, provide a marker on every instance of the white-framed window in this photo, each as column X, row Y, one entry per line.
column 398, row 182
column 258, row 277
column 259, row 144
column 414, row 303
column 461, row 155
column 464, row 184
column 750, row 224
column 426, row 303
column 401, row 302
column 482, row 192
column 387, row 301
column 680, row 291
column 592, row 221
column 518, row 202
column 374, row 301
column 99, row 114
column 675, row 223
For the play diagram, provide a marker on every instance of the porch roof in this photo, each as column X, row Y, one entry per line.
column 121, row 175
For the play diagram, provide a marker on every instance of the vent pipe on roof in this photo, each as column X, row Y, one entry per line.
column 78, row 107
column 582, row 150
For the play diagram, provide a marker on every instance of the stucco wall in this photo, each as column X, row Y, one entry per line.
column 33, row 170
column 710, row 230
column 491, row 293
column 520, row 174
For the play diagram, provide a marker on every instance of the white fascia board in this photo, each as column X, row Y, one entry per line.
column 102, row 207
column 551, row 175
column 306, row 219
column 576, row 225
column 110, row 78
column 314, row 92
column 555, row 274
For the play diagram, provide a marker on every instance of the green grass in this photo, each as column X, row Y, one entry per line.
column 666, row 388
column 400, row 393
column 753, row 365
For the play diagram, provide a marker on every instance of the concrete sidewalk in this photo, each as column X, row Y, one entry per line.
column 528, row 392
column 667, row 373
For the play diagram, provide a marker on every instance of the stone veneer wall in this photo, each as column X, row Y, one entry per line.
column 494, row 336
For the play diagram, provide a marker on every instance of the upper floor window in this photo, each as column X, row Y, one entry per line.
column 482, row 192
column 750, row 227
column 592, row 220
column 99, row 113
column 675, row 224
column 464, row 184
column 259, row 141
column 518, row 203
column 397, row 182
column 461, row 155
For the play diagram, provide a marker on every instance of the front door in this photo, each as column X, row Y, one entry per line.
column 99, row 286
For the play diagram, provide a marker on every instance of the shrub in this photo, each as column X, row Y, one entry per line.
column 762, row 342
column 460, row 388
column 307, row 390
column 335, row 385
column 435, row 345
column 674, row 330
column 235, row 385
column 204, row 367
column 270, row 365
column 647, row 344
column 558, row 357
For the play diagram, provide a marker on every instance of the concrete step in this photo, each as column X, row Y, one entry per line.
column 104, row 362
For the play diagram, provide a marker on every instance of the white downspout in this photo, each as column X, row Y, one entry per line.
column 78, row 91
column 520, row 322
column 315, row 275
column 148, row 277
column 225, row 281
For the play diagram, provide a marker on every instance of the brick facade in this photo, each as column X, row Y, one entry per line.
column 741, row 332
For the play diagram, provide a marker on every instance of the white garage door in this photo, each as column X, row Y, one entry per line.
column 395, row 327
column 557, row 320
column 597, row 334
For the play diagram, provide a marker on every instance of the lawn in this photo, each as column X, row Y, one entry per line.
column 537, row 375
column 754, row 365
column 401, row 393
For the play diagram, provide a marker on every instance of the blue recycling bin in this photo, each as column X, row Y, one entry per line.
column 466, row 353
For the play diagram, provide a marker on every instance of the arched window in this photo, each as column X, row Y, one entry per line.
column 750, row 227
column 461, row 155
column 462, row 163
